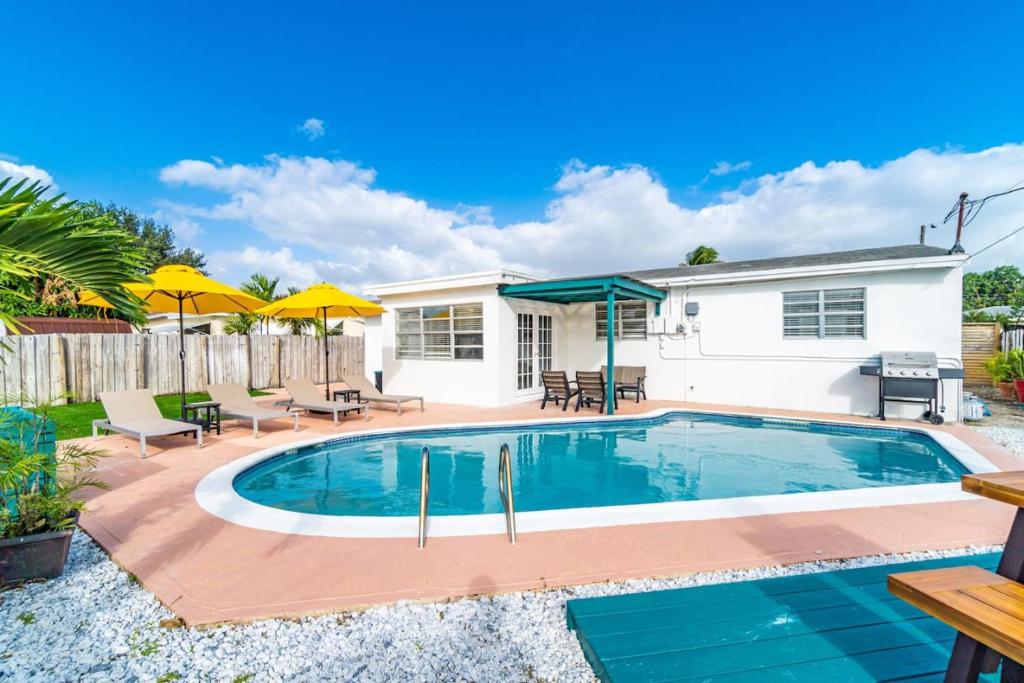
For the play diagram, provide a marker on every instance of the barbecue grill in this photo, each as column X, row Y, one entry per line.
column 911, row 377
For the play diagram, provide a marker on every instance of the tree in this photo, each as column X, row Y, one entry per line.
column 240, row 323
column 702, row 255
column 262, row 287
column 996, row 287
column 52, row 246
column 156, row 240
column 300, row 326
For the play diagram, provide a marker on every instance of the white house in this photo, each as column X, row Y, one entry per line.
column 786, row 332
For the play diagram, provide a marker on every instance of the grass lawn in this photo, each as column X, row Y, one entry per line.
column 75, row 420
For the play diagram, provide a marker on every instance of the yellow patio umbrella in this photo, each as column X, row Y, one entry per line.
column 324, row 300
column 181, row 290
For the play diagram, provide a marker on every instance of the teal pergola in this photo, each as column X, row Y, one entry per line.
column 603, row 289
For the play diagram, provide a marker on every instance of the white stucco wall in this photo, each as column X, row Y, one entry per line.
column 738, row 355
column 466, row 382
column 373, row 346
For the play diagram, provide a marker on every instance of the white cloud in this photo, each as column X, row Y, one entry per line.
column 725, row 168
column 185, row 229
column 603, row 218
column 10, row 169
column 312, row 128
column 278, row 263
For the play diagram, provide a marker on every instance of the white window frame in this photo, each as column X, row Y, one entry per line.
column 526, row 352
column 601, row 316
column 821, row 315
column 417, row 327
column 535, row 354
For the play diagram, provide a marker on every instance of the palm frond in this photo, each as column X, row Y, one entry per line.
column 49, row 236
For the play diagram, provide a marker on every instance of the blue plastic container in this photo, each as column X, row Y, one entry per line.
column 20, row 425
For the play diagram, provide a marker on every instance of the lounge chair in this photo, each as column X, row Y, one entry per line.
column 236, row 403
column 557, row 386
column 591, row 388
column 629, row 378
column 135, row 414
column 305, row 395
column 369, row 394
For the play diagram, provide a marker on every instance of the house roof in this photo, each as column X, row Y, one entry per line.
column 879, row 258
column 54, row 325
column 834, row 258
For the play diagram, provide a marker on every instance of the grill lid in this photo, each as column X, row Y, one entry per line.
column 922, row 364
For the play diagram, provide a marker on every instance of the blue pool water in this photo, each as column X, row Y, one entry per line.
column 669, row 458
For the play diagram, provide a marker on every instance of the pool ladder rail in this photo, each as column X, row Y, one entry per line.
column 424, row 492
column 505, row 492
column 508, row 500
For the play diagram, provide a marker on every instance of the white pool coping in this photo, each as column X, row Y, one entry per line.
column 216, row 494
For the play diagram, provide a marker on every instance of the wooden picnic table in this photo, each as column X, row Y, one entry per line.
column 1006, row 621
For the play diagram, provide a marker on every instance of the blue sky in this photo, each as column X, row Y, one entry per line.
column 473, row 105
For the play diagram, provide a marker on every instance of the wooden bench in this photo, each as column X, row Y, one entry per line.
column 986, row 609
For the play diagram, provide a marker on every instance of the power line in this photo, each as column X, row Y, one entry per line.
column 973, row 207
column 1001, row 239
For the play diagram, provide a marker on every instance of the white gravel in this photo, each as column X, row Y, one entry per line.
column 95, row 623
column 1005, row 436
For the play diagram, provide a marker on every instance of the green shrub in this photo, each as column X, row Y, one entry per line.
column 1015, row 361
column 37, row 488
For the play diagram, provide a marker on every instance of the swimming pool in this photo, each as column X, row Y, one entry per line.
column 666, row 466
column 673, row 457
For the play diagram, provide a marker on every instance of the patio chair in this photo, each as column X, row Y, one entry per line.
column 305, row 395
column 629, row 379
column 135, row 414
column 369, row 393
column 591, row 388
column 557, row 387
column 236, row 403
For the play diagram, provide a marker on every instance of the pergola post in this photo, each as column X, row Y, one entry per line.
column 609, row 392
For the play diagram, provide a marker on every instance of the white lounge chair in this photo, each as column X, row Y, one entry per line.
column 135, row 414
column 305, row 395
column 236, row 403
column 369, row 393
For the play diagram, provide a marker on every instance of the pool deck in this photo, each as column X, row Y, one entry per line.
column 209, row 571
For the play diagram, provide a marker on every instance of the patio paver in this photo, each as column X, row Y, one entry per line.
column 208, row 570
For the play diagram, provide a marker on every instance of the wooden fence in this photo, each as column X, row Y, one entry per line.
column 50, row 367
column 1013, row 339
column 979, row 341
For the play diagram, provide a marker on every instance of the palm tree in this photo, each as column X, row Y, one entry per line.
column 241, row 323
column 51, row 239
column 702, row 255
column 262, row 287
column 299, row 326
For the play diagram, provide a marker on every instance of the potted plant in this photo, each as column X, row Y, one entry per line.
column 39, row 481
column 1015, row 361
column 998, row 367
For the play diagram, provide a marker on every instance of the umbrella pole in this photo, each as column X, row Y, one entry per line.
column 181, row 348
column 327, row 357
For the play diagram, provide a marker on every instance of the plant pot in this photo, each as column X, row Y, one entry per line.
column 1018, row 384
column 37, row 556
column 1007, row 390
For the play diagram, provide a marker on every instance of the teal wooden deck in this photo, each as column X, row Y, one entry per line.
column 832, row 626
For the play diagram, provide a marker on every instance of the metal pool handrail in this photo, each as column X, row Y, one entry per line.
column 505, row 491
column 424, row 493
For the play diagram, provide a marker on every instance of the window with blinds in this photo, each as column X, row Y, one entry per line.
column 630, row 320
column 823, row 314
column 440, row 332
